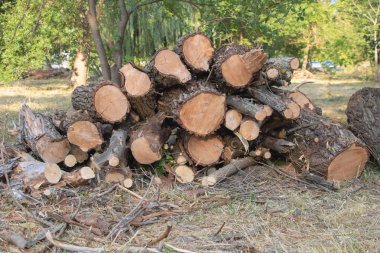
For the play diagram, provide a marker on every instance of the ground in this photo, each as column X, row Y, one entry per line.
column 260, row 209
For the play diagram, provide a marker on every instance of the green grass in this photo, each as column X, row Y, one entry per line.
column 285, row 218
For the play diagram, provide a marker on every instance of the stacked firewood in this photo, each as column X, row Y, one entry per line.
column 219, row 109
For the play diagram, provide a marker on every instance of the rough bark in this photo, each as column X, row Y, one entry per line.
column 103, row 101
column 363, row 117
column 167, row 69
column 41, row 136
column 285, row 63
column 247, row 107
column 236, row 65
column 146, row 142
column 196, row 51
column 326, row 148
column 139, row 89
column 79, row 75
column 199, row 108
column 279, row 145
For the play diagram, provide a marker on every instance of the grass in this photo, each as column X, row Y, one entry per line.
column 275, row 214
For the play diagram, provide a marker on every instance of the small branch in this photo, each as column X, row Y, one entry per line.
column 162, row 236
column 295, row 88
column 220, row 229
column 70, row 247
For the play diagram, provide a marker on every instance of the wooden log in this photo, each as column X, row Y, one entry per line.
column 103, row 101
column 363, row 117
column 233, row 148
column 287, row 108
column 326, row 148
column 285, row 63
column 204, row 151
column 78, row 177
column 115, row 154
column 196, row 51
column 184, row 174
column 139, row 89
column 279, row 145
column 249, row 129
column 82, row 131
column 232, row 119
column 147, row 141
column 248, row 107
column 70, row 161
column 270, row 73
column 236, row 65
column 80, row 155
column 228, row 170
column 40, row 135
column 167, row 69
column 199, row 108
column 53, row 173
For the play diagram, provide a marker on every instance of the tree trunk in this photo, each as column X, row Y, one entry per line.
column 376, row 54
column 306, row 54
column 199, row 108
column 363, row 117
column 326, row 148
column 196, row 51
column 104, row 101
column 92, row 21
column 79, row 75
column 41, row 136
column 236, row 66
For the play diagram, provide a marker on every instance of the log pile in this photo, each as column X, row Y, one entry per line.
column 224, row 109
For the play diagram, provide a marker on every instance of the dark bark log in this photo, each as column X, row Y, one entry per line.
column 199, row 107
column 41, row 136
column 279, row 145
column 233, row 149
column 236, row 65
column 285, row 63
column 363, row 117
column 247, row 107
column 103, row 101
column 326, row 148
column 196, row 51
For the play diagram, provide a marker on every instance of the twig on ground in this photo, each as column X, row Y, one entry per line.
column 113, row 187
column 295, row 88
column 71, row 247
column 162, row 236
column 220, row 229
column 129, row 191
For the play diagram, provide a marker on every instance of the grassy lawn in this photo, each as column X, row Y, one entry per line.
column 269, row 211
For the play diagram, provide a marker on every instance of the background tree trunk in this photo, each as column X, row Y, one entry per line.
column 79, row 75
column 376, row 60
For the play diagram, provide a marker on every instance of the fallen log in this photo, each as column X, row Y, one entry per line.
column 228, row 170
column 326, row 148
column 204, row 151
column 236, row 65
column 167, row 69
column 199, row 108
column 103, row 101
column 363, row 117
column 140, row 90
column 41, row 136
column 196, row 51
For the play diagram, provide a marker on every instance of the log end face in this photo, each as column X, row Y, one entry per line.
column 205, row 151
column 198, row 52
column 184, row 174
column 235, row 72
column 52, row 173
column 85, row 135
column 136, row 82
column 169, row 64
column 348, row 164
column 52, row 151
column 250, row 130
column 142, row 151
column 233, row 119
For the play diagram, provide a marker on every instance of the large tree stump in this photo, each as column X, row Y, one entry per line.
column 146, row 142
column 199, row 108
column 167, row 68
column 236, row 65
column 140, row 90
column 104, row 101
column 326, row 148
column 363, row 116
column 204, row 151
column 41, row 136
column 196, row 51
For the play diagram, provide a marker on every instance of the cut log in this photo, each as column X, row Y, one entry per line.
column 233, row 119
column 115, row 154
column 128, row 183
column 228, row 170
column 167, row 68
column 204, row 151
column 279, row 145
column 196, row 51
column 70, row 161
column 52, row 173
column 271, row 73
column 41, row 136
column 139, row 88
column 285, row 63
column 283, row 105
column 233, row 149
column 249, row 129
column 337, row 155
column 78, row 177
column 248, row 107
column 114, row 177
column 103, row 101
column 80, row 155
column 299, row 98
column 146, row 142
column 236, row 65
column 363, row 117
column 184, row 174
column 199, row 108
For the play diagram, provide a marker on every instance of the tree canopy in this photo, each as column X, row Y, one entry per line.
column 35, row 33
